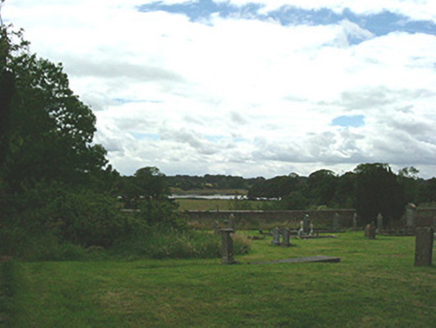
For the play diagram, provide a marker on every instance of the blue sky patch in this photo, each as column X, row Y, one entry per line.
column 378, row 24
column 349, row 121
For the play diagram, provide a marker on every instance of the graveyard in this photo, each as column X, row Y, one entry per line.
column 374, row 284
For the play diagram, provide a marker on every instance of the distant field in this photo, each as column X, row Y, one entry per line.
column 209, row 191
column 374, row 285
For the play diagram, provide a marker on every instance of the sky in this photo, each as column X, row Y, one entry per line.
column 244, row 88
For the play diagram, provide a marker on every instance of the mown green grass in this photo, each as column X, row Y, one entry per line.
column 374, row 285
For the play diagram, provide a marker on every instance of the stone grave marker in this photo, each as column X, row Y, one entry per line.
column 276, row 237
column 306, row 224
column 424, row 246
column 410, row 216
column 285, row 236
column 355, row 221
column 232, row 223
column 370, row 231
column 227, row 246
column 336, row 222
column 379, row 223
column 216, row 227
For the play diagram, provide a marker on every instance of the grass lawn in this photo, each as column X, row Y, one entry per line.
column 374, row 285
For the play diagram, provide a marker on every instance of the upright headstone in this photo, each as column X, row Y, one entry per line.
column 232, row 224
column 301, row 230
column 410, row 216
column 336, row 222
column 306, row 224
column 227, row 246
column 311, row 229
column 424, row 246
column 379, row 223
column 370, row 231
column 355, row 221
column 285, row 236
column 216, row 227
column 276, row 237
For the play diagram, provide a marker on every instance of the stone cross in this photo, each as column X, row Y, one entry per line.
column 276, row 237
column 285, row 236
column 379, row 223
column 227, row 246
column 424, row 246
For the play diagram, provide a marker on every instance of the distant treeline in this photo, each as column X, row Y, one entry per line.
column 208, row 181
column 320, row 188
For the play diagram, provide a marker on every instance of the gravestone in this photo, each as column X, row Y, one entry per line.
column 311, row 229
column 370, row 231
column 276, row 237
column 227, row 246
column 355, row 221
column 336, row 222
column 410, row 216
column 216, row 227
column 232, row 224
column 424, row 246
column 306, row 224
column 285, row 236
column 301, row 230
column 379, row 223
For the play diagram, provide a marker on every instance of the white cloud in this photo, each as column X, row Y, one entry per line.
column 240, row 96
column 414, row 9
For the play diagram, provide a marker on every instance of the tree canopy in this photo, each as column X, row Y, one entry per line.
column 50, row 130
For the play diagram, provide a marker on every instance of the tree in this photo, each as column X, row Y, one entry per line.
column 410, row 182
column 51, row 130
column 378, row 191
column 322, row 186
column 146, row 183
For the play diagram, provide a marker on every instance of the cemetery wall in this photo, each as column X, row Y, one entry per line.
column 323, row 219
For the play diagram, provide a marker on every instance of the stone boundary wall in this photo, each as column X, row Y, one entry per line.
column 269, row 219
column 322, row 219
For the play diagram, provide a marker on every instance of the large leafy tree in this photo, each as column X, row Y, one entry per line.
column 378, row 191
column 50, row 130
column 322, row 186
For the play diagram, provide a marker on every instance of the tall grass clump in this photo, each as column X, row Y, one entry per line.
column 175, row 244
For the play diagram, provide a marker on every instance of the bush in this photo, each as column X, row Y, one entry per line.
column 82, row 217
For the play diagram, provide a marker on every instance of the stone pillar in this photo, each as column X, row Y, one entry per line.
column 276, row 237
column 227, row 246
column 424, row 246
column 285, row 236
column 370, row 231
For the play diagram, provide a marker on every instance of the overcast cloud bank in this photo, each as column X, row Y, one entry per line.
column 252, row 89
